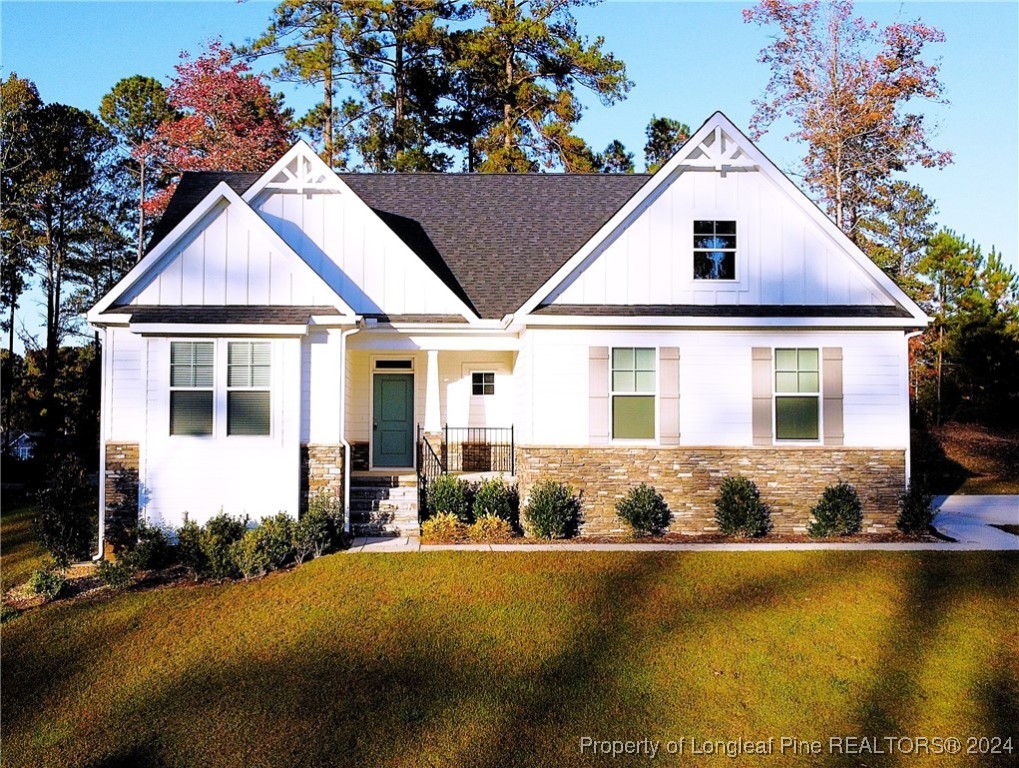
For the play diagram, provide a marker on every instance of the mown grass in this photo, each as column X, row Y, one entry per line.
column 481, row 659
column 20, row 552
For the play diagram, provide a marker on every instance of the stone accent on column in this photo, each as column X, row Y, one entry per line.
column 790, row 480
column 121, row 483
column 321, row 470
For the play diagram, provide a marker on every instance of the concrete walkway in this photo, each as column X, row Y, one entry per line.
column 968, row 520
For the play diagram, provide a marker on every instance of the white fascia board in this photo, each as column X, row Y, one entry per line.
column 221, row 192
column 677, row 164
column 334, row 321
column 606, row 321
column 301, row 149
column 108, row 320
column 217, row 329
column 388, row 339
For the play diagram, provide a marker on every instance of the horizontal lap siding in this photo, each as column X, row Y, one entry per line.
column 125, row 395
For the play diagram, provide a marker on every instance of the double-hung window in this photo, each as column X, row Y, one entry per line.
column 714, row 250
column 634, row 384
column 797, row 394
column 248, row 394
column 192, row 378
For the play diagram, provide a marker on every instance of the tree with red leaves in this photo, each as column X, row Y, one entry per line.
column 846, row 85
column 229, row 121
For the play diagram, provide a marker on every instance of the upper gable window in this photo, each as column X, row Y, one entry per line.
column 714, row 250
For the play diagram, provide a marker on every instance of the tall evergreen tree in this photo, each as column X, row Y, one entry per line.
column 896, row 234
column 132, row 111
column 615, row 158
column 664, row 138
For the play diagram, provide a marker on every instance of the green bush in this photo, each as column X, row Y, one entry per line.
column 443, row 528
column 552, row 511
column 189, row 548
column 448, row 494
column 645, row 510
column 68, row 512
column 838, row 513
column 117, row 575
column 319, row 528
column 490, row 528
column 151, row 549
column 8, row 613
column 495, row 498
column 49, row 582
column 249, row 557
column 916, row 509
column 739, row 510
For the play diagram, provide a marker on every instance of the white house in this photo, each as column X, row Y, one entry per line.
column 301, row 329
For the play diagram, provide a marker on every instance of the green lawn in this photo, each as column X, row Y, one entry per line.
column 508, row 659
column 20, row 553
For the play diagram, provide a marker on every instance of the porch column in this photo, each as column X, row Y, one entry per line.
column 433, row 421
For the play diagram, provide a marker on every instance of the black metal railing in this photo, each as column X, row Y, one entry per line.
column 430, row 466
column 479, row 449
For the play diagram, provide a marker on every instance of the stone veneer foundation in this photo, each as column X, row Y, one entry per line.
column 790, row 480
column 121, row 483
column 321, row 470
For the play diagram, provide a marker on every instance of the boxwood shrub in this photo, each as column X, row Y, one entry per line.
column 838, row 513
column 644, row 509
column 496, row 498
column 916, row 509
column 448, row 494
column 552, row 511
column 739, row 510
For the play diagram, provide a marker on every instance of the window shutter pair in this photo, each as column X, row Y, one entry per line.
column 763, row 371
column 600, row 408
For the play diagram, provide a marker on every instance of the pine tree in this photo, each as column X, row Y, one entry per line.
column 664, row 138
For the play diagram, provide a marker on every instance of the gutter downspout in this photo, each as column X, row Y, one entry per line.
column 909, row 447
column 343, row 423
column 102, row 446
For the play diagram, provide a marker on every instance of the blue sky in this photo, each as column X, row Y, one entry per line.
column 687, row 60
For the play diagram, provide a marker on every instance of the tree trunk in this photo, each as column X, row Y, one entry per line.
column 941, row 341
column 328, row 127
column 9, row 383
column 141, row 209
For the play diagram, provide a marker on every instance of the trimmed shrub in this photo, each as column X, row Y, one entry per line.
column 8, row 613
column 916, row 509
column 48, row 581
column 645, row 510
column 116, row 575
column 250, row 558
column 448, row 494
column 217, row 539
column 443, row 528
column 189, row 548
column 739, row 510
column 552, row 511
column 152, row 549
column 68, row 512
column 838, row 513
column 275, row 536
column 495, row 498
column 490, row 528
column 320, row 527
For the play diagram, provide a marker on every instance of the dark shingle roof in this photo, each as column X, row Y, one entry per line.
column 221, row 315
column 494, row 239
column 720, row 310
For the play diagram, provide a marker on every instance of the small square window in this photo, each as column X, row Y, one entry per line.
column 482, row 383
column 714, row 250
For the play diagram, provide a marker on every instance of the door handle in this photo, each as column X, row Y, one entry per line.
column 375, row 425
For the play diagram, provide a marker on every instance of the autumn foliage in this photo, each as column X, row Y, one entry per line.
column 230, row 121
column 846, row 85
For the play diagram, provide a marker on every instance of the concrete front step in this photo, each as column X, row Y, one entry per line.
column 382, row 504
column 382, row 480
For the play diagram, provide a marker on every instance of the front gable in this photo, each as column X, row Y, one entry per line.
column 346, row 242
column 222, row 254
column 779, row 249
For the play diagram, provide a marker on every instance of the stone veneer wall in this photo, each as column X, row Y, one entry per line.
column 790, row 480
column 321, row 470
column 359, row 457
column 121, row 492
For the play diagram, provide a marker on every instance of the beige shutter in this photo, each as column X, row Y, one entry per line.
column 669, row 393
column 831, row 410
column 598, row 387
column 762, row 405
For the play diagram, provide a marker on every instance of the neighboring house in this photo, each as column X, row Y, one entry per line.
column 23, row 446
column 289, row 330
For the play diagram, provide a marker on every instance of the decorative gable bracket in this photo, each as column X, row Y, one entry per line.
column 718, row 152
column 300, row 175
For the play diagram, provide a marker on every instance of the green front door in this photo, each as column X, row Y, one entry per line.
column 393, row 420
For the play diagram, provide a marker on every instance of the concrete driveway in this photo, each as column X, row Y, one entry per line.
column 968, row 520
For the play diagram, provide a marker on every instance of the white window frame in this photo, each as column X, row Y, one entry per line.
column 171, row 388
column 775, row 394
column 613, row 394
column 227, row 388
column 736, row 279
column 483, row 372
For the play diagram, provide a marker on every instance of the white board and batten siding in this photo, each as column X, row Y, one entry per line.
column 782, row 256
column 356, row 253
column 716, row 394
column 181, row 474
column 225, row 261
